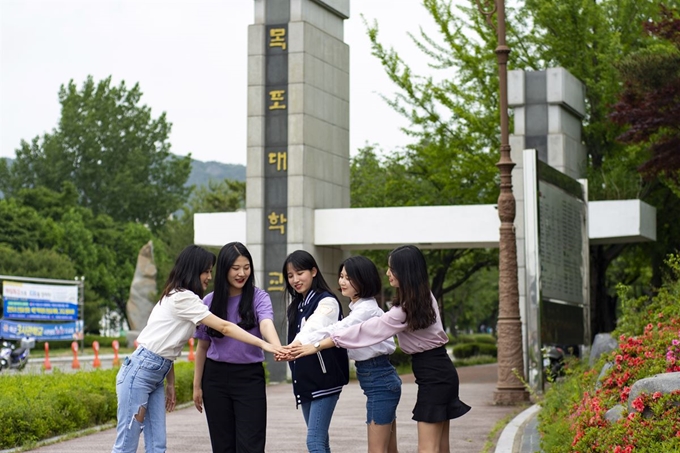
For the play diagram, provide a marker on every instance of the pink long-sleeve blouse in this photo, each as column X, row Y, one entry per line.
column 393, row 322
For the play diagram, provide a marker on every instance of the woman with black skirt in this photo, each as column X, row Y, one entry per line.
column 414, row 319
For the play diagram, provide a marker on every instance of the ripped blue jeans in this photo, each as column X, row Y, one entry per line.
column 141, row 396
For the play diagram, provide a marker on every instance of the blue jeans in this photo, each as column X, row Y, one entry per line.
column 318, row 415
column 382, row 386
column 139, row 384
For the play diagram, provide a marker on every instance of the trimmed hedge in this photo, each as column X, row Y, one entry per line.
column 104, row 342
column 467, row 350
column 473, row 338
column 399, row 358
column 40, row 406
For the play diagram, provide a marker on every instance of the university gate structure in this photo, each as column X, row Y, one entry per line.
column 298, row 165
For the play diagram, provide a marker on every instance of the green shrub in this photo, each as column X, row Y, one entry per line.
column 467, row 350
column 39, row 406
column 400, row 359
column 572, row 414
column 472, row 338
column 637, row 313
column 475, row 360
column 464, row 350
column 487, row 349
column 104, row 342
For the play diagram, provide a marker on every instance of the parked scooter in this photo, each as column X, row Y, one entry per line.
column 553, row 362
column 12, row 357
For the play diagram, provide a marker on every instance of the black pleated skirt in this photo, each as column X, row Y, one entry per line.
column 437, row 381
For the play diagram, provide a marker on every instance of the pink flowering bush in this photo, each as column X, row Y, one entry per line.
column 572, row 418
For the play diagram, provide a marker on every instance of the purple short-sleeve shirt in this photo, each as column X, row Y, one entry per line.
column 233, row 351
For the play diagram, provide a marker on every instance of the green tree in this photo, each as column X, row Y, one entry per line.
column 35, row 263
column 20, row 227
column 217, row 196
column 453, row 111
column 118, row 245
column 589, row 39
column 475, row 302
column 648, row 107
column 59, row 239
column 420, row 179
column 113, row 151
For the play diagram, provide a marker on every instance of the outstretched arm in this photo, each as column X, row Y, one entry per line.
column 230, row 329
column 269, row 332
column 371, row 331
column 309, row 349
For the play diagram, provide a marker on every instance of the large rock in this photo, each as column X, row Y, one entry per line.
column 615, row 414
column 143, row 289
column 664, row 383
column 603, row 372
column 602, row 344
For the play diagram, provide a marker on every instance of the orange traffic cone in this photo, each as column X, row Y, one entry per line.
column 47, row 365
column 191, row 350
column 74, row 347
column 115, row 345
column 96, row 363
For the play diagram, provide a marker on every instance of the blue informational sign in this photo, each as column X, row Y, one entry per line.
column 39, row 302
column 13, row 330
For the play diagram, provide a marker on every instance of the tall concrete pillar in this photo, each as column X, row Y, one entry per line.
column 298, row 137
column 549, row 107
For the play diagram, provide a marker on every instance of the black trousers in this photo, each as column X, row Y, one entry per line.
column 235, row 402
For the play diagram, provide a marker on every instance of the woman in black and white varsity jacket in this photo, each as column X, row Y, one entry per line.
column 317, row 379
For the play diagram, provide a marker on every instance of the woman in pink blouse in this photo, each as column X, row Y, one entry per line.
column 414, row 319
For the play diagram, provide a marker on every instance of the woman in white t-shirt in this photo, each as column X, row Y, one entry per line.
column 142, row 396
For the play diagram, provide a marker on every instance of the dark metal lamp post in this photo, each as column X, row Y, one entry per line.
column 510, row 386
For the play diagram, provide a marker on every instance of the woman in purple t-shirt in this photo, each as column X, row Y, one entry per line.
column 229, row 377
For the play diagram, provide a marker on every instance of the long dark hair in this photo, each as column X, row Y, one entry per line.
column 408, row 266
column 186, row 273
column 225, row 260
column 302, row 261
column 363, row 275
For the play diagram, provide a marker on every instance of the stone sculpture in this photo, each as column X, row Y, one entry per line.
column 143, row 292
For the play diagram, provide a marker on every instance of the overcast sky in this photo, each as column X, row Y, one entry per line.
column 189, row 58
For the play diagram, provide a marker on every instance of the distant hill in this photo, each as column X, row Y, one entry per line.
column 202, row 172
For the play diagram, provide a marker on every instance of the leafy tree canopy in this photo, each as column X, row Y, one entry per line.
column 45, row 234
column 217, row 196
column 453, row 109
column 108, row 145
column 650, row 101
column 422, row 180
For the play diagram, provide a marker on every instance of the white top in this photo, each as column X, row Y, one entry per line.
column 172, row 322
column 360, row 311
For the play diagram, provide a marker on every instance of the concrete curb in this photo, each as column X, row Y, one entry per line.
column 506, row 442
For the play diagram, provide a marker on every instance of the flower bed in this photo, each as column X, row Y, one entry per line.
column 573, row 412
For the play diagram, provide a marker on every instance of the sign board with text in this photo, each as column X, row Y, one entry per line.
column 39, row 302
column 557, row 260
column 14, row 330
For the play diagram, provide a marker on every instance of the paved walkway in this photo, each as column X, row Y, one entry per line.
column 187, row 430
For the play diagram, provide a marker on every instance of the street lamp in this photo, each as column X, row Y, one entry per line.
column 510, row 386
